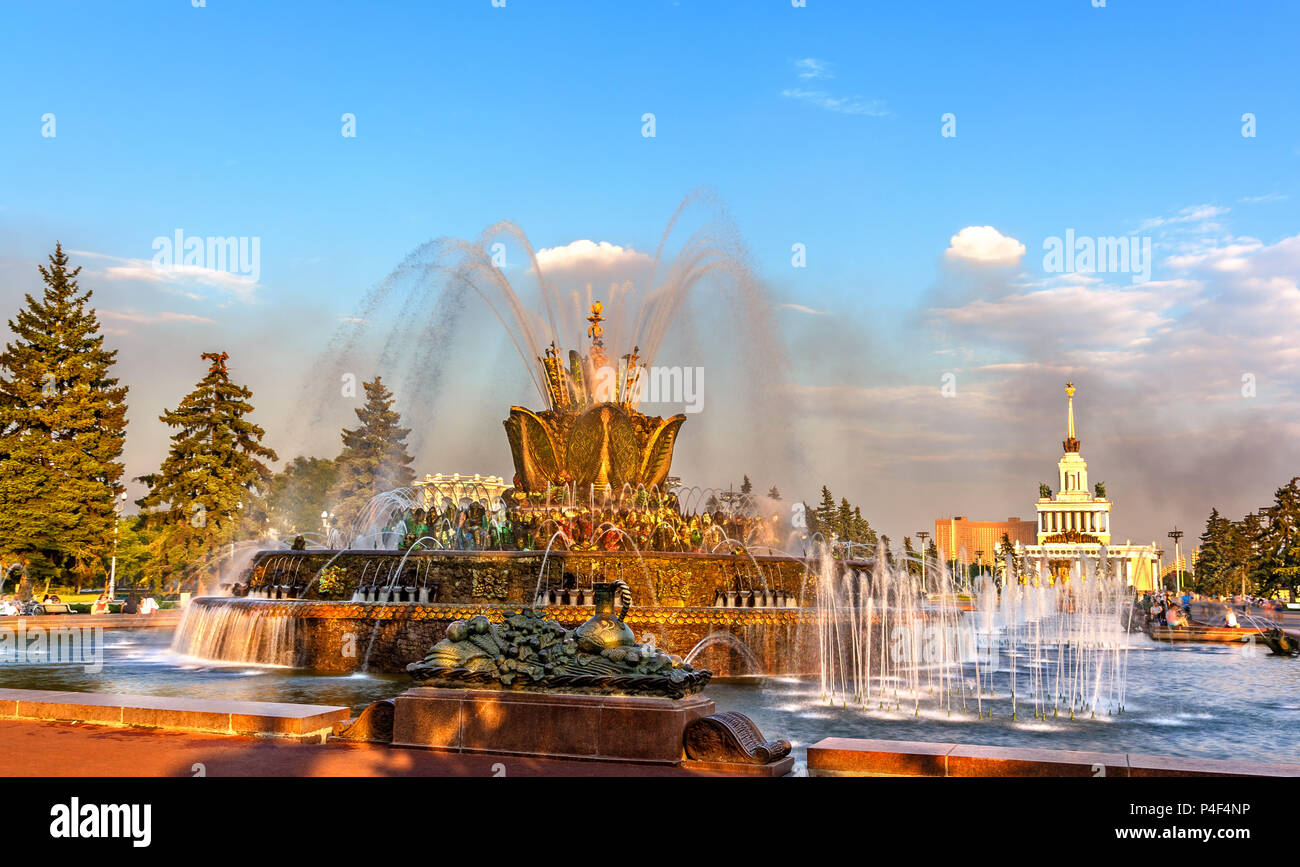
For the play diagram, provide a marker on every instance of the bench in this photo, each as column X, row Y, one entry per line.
column 55, row 608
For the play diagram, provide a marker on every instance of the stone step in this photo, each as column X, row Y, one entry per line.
column 862, row 757
column 302, row 722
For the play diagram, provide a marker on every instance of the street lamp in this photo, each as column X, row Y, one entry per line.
column 118, row 504
column 922, row 535
column 1177, row 534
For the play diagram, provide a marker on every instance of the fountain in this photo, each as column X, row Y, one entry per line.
column 590, row 506
column 591, row 473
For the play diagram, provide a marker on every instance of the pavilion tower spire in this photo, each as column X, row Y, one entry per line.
column 1071, row 444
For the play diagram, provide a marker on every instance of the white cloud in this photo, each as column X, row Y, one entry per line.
column 138, row 318
column 986, row 245
column 1191, row 214
column 1228, row 257
column 811, row 67
column 589, row 254
column 179, row 279
column 799, row 308
column 839, row 104
column 1100, row 317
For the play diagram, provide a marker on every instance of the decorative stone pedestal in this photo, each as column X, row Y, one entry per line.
column 549, row 725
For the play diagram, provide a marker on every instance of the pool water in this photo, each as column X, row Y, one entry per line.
column 1212, row 701
column 1208, row 701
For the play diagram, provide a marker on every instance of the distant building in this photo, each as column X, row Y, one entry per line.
column 1074, row 523
column 967, row 541
column 461, row 486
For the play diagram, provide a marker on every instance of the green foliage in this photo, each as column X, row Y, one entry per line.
column 374, row 457
column 332, row 583
column 133, row 539
column 1044, row 491
column 208, row 491
column 844, row 521
column 62, row 427
column 1261, row 552
column 910, row 557
column 1100, row 489
column 1007, row 554
column 299, row 493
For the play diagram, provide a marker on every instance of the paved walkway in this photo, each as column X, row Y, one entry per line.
column 49, row 749
column 158, row 620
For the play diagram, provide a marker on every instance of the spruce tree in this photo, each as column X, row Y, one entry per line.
column 62, row 427
column 210, row 482
column 825, row 516
column 1277, row 542
column 1007, row 557
column 910, row 557
column 773, row 493
column 374, row 457
column 844, row 522
column 1211, row 566
column 746, row 486
column 862, row 530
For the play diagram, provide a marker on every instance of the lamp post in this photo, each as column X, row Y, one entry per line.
column 118, row 504
column 922, row 535
column 1177, row 534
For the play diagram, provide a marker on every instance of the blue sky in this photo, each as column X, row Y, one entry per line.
column 816, row 125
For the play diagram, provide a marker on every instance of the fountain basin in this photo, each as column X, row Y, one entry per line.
column 384, row 637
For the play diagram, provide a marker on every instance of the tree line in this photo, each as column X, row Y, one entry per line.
column 1258, row 554
column 62, row 433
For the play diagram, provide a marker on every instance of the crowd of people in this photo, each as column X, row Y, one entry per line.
column 1166, row 608
column 474, row 527
column 133, row 604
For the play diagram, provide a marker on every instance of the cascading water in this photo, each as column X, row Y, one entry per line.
column 1053, row 649
column 232, row 631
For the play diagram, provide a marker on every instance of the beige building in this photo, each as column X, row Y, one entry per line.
column 969, row 541
column 458, row 487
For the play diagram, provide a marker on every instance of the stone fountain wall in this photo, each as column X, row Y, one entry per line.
column 673, row 596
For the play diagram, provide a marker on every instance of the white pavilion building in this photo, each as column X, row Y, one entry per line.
column 1075, row 522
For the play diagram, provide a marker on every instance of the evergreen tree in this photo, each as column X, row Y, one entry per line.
column 910, row 558
column 374, row 457
column 773, row 493
column 1246, row 565
column 746, row 486
column 208, row 485
column 824, row 516
column 844, row 524
column 1212, row 567
column 862, row 531
column 1007, row 555
column 62, row 427
column 1277, row 539
column 889, row 553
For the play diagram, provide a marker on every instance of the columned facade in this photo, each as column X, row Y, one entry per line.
column 1074, row 523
